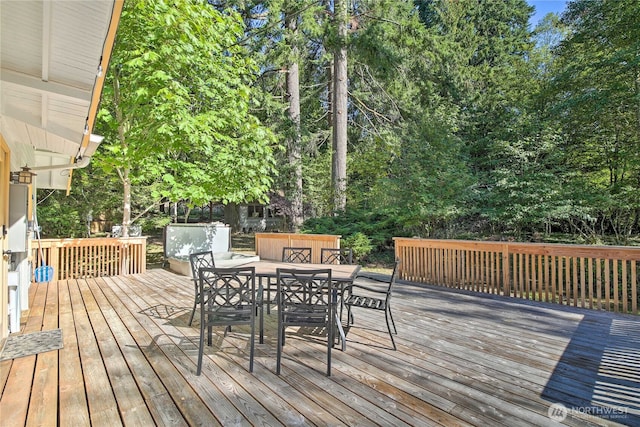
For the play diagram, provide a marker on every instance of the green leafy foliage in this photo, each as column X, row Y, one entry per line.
column 62, row 220
column 93, row 194
column 176, row 107
column 359, row 243
column 463, row 122
column 378, row 228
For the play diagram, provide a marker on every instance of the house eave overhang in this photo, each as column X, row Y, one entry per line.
column 54, row 57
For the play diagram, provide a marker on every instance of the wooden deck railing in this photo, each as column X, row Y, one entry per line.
column 269, row 245
column 598, row 277
column 82, row 258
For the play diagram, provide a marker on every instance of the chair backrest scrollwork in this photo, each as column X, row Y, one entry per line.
column 296, row 255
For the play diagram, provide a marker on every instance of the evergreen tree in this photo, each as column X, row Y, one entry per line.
column 597, row 87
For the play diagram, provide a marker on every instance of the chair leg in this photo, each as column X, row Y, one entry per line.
column 280, row 344
column 342, row 337
column 329, row 345
column 386, row 316
column 200, row 349
column 330, row 337
column 253, row 336
column 261, row 308
column 392, row 322
column 193, row 312
column 349, row 316
column 268, row 296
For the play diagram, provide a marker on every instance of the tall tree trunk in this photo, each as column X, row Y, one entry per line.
column 295, row 140
column 124, row 172
column 232, row 217
column 126, row 207
column 339, row 164
column 330, row 94
column 186, row 215
column 638, row 102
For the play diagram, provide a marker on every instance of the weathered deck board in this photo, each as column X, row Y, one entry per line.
column 74, row 409
column 100, row 396
column 17, row 388
column 131, row 404
column 190, row 405
column 129, row 358
column 225, row 395
column 44, row 391
column 161, row 406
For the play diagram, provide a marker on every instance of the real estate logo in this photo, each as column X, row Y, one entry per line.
column 557, row 412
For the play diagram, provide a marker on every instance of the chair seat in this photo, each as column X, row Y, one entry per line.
column 233, row 314
column 305, row 315
column 366, row 302
column 351, row 299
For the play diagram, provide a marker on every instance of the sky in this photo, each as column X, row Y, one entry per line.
column 543, row 7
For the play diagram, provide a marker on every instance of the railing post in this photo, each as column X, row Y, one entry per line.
column 506, row 269
column 143, row 256
column 124, row 258
column 54, row 260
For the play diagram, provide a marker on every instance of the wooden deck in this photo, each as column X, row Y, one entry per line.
column 463, row 359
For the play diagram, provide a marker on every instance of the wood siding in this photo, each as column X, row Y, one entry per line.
column 596, row 277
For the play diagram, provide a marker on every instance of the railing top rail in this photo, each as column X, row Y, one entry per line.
column 298, row 236
column 94, row 241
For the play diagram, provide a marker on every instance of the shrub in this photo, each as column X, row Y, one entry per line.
column 379, row 228
column 359, row 243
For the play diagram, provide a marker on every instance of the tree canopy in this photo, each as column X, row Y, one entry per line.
column 462, row 120
column 175, row 110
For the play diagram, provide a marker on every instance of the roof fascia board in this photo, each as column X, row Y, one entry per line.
column 106, row 57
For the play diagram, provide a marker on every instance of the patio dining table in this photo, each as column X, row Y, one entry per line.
column 266, row 272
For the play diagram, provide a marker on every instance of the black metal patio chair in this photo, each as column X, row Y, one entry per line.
column 336, row 256
column 296, row 255
column 227, row 297
column 199, row 260
column 358, row 295
column 305, row 298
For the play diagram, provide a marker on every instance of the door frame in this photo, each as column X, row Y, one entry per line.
column 5, row 178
